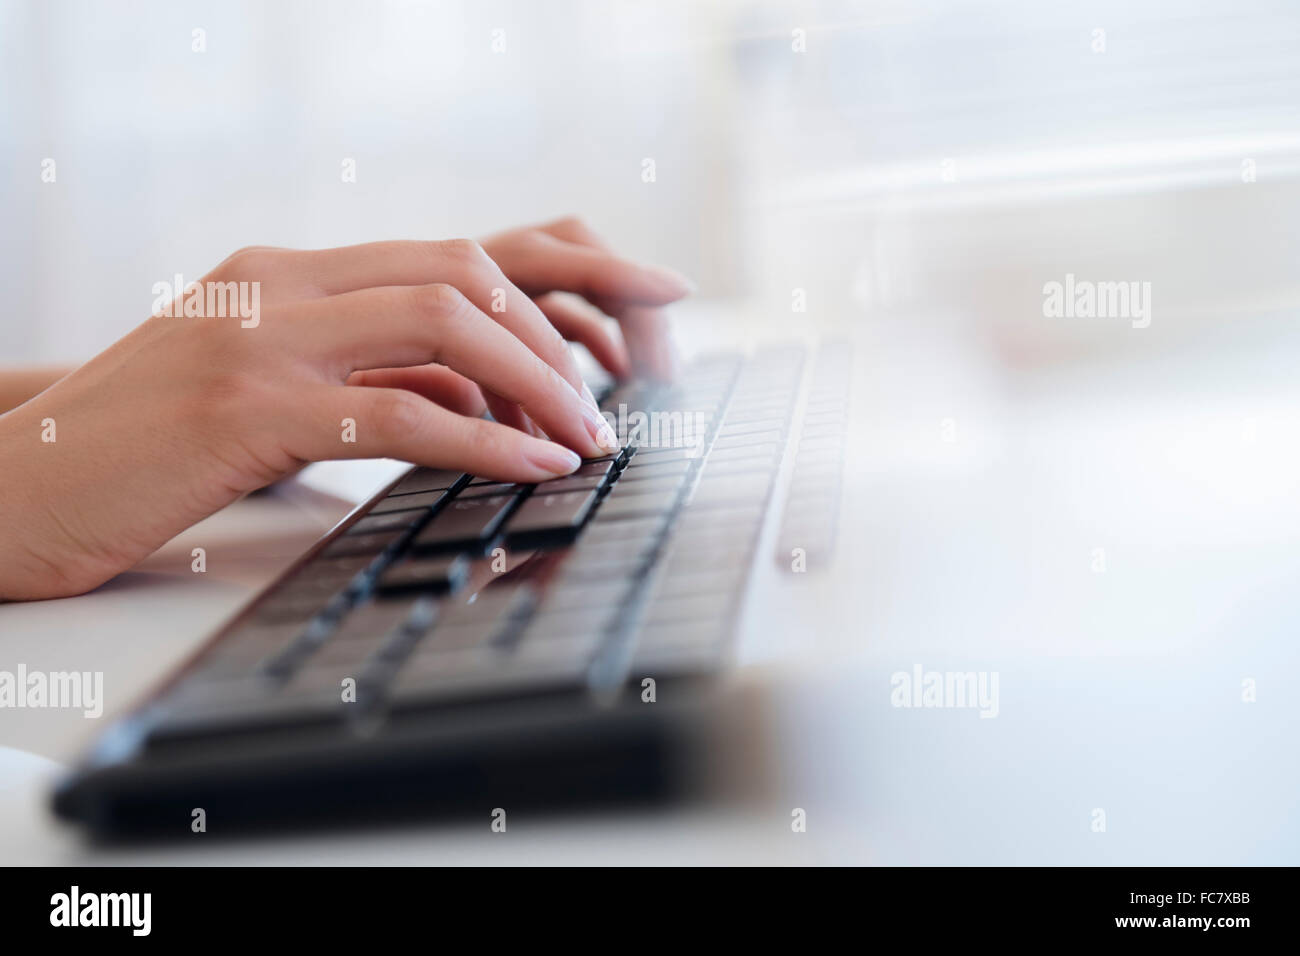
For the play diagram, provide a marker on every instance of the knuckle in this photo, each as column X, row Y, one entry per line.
column 249, row 260
column 438, row 300
column 398, row 414
column 465, row 251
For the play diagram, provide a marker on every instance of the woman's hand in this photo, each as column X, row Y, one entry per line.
column 378, row 350
column 566, row 256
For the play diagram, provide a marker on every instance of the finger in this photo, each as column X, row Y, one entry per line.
column 650, row 342
column 546, row 263
column 348, row 422
column 508, row 413
column 646, row 331
column 579, row 322
column 458, row 262
column 573, row 229
column 437, row 383
column 419, row 325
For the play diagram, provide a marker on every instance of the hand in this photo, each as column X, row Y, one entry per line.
column 567, row 257
column 186, row 414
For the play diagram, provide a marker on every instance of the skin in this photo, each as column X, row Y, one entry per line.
column 184, row 415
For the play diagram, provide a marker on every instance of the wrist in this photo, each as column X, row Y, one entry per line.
column 38, row 559
column 19, row 385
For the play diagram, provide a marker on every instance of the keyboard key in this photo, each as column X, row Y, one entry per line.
column 581, row 483
column 599, row 468
column 689, row 583
column 747, row 428
column 426, row 479
column 625, row 530
column 284, row 607
column 550, row 520
column 495, row 607
column 438, row 574
column 745, row 438
column 634, row 504
column 368, row 623
column 489, row 488
column 736, row 490
column 230, row 711
column 664, row 485
column 664, row 469
column 356, row 545
column 422, row 499
column 453, row 638
column 764, row 452
column 470, row 525
column 584, row 598
column 660, row 455
column 678, row 648
column 697, row 608
column 390, row 521
column 448, row 678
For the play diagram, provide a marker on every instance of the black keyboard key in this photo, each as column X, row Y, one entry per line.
column 438, row 574
column 573, row 595
column 426, row 479
column 361, row 545
column 437, row 679
column 651, row 486
column 390, row 521
column 549, row 520
column 599, row 468
column 422, row 499
column 286, row 607
column 628, row 503
column 470, row 525
column 323, row 686
column 489, row 488
column 581, row 483
column 231, row 708
column 367, row 623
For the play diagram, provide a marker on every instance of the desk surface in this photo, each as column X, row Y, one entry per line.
column 1120, row 688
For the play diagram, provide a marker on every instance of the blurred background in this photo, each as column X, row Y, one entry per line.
column 1103, row 514
column 886, row 157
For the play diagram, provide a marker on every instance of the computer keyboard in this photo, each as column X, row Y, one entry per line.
column 449, row 592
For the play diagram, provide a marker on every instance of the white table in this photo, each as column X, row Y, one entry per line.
column 1118, row 690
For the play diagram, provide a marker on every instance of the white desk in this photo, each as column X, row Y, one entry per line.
column 1118, row 690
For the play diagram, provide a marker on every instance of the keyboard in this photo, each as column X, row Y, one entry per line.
column 457, row 635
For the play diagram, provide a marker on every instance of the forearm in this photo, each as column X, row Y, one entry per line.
column 19, row 384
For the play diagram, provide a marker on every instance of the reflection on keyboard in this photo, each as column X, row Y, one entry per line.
column 452, row 589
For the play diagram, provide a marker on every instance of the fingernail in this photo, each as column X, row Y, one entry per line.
column 553, row 459
column 599, row 430
column 669, row 277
